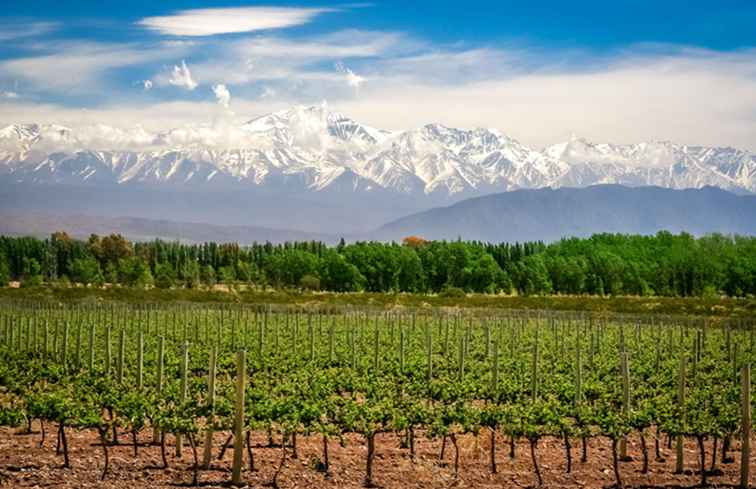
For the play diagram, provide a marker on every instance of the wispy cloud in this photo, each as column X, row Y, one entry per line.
column 9, row 95
column 78, row 67
column 23, row 29
column 182, row 77
column 353, row 80
column 211, row 21
column 267, row 58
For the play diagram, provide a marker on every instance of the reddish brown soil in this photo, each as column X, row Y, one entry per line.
column 24, row 464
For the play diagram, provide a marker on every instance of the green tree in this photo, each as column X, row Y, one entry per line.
column 532, row 276
column 339, row 275
column 134, row 272
column 32, row 273
column 482, row 274
column 4, row 271
column 165, row 276
column 190, row 274
column 207, row 275
column 411, row 277
column 86, row 271
column 227, row 274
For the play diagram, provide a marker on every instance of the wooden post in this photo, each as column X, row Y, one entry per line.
column 64, row 352
column 461, row 357
column 261, row 336
column 54, row 350
column 401, row 348
column 534, row 369
column 429, row 352
column 121, row 354
column 446, row 337
column 108, row 351
column 578, row 372
column 90, row 361
column 35, row 337
column 183, row 387
column 311, row 337
column 376, row 346
column 45, row 339
column 353, row 347
column 233, row 334
column 78, row 345
column 241, row 371
column 23, row 337
column 495, row 375
column 276, row 325
column 140, row 360
column 331, row 345
column 679, row 462
column 159, row 387
column 208, row 445
column 745, row 425
column 625, row 399
column 488, row 339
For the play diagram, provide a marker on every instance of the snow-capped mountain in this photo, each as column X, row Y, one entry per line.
column 662, row 164
column 313, row 149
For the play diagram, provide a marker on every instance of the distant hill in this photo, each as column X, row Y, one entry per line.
column 521, row 215
column 550, row 214
column 138, row 229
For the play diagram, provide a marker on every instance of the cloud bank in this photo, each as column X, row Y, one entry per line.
column 394, row 81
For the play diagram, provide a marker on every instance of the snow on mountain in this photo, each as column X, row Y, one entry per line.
column 315, row 149
column 663, row 164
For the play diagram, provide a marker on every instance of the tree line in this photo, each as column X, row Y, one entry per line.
column 605, row 264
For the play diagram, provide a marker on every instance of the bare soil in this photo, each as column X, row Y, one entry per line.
column 23, row 463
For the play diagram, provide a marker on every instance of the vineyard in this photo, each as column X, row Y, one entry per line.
column 214, row 395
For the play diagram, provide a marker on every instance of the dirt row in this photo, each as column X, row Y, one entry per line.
column 23, row 463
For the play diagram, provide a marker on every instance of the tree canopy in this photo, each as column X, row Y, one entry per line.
column 604, row 264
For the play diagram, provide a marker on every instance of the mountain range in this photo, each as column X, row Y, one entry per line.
column 315, row 170
column 518, row 215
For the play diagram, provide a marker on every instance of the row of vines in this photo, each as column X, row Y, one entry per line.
column 187, row 372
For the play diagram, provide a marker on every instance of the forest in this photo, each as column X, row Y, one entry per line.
column 666, row 264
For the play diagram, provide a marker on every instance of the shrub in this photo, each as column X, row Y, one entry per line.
column 452, row 293
column 310, row 282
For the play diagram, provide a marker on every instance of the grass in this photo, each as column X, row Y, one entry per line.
column 689, row 306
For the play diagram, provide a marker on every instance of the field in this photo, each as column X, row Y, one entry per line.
column 104, row 394
column 714, row 307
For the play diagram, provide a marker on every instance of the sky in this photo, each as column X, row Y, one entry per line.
column 624, row 71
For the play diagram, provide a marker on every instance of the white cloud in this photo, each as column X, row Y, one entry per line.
column 207, row 22
column 182, row 77
column 692, row 97
column 81, row 67
column 641, row 93
column 147, row 85
column 222, row 95
column 353, row 80
column 9, row 95
column 20, row 29
column 246, row 61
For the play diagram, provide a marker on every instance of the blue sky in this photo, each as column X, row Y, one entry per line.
column 725, row 24
column 619, row 71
